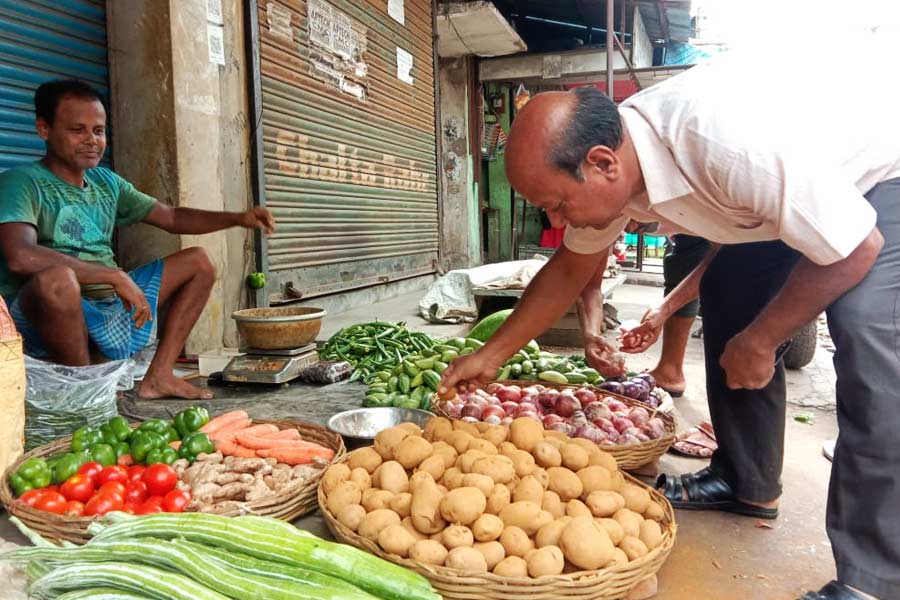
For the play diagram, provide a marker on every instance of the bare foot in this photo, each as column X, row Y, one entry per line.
column 161, row 386
column 673, row 383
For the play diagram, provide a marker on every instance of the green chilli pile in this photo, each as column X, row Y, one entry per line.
column 375, row 346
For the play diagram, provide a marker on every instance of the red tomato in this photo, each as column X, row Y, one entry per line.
column 136, row 492
column 125, row 460
column 74, row 508
column 78, row 487
column 148, row 508
column 175, row 501
column 157, row 500
column 128, row 509
column 136, row 472
column 32, row 496
column 91, row 469
column 160, row 479
column 115, row 488
column 102, row 504
column 114, row 473
column 52, row 502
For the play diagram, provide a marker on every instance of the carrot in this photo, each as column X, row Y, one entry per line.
column 229, row 429
column 218, row 422
column 293, row 455
column 176, row 444
column 232, row 448
column 284, row 434
column 258, row 442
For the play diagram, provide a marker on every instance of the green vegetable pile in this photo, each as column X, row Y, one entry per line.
column 375, row 346
column 197, row 556
column 546, row 366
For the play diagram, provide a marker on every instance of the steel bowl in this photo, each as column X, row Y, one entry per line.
column 279, row 328
column 364, row 423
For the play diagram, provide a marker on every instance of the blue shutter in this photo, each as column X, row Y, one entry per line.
column 42, row 40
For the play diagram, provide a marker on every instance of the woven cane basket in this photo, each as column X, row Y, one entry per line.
column 630, row 457
column 603, row 584
column 288, row 504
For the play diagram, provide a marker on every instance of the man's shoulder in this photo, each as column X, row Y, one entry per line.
column 21, row 174
column 105, row 176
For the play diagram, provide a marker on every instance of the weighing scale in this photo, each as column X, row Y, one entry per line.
column 269, row 366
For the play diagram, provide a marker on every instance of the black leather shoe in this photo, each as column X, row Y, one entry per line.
column 833, row 591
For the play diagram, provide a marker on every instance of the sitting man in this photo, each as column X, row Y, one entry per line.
column 57, row 269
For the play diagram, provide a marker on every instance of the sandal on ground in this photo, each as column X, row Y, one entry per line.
column 708, row 491
column 835, row 590
column 673, row 393
column 696, row 442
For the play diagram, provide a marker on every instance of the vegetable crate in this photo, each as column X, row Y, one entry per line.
column 629, row 457
column 287, row 505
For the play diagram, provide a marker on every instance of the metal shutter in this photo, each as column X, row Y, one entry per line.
column 348, row 148
column 42, row 40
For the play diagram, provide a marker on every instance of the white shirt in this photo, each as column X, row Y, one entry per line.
column 736, row 156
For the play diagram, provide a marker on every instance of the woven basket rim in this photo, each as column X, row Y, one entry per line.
column 638, row 569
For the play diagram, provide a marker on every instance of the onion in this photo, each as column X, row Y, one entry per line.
column 450, row 408
column 548, row 398
column 492, row 411
column 531, row 390
column 550, row 419
column 566, row 405
column 493, row 401
column 506, row 421
column 626, row 440
column 597, row 410
column 643, row 437
column 585, row 396
column 589, row 432
column 469, row 420
column 632, row 431
column 479, row 401
column 493, row 387
column 569, row 430
column 471, row 410
column 510, row 393
column 639, row 416
column 482, row 393
column 614, row 404
column 655, row 428
column 510, row 408
column 492, row 420
column 620, row 423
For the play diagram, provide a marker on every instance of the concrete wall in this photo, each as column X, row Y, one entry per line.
column 641, row 47
column 548, row 67
column 182, row 135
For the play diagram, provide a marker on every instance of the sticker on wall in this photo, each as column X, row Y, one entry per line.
column 404, row 66
column 214, row 12
column 395, row 10
column 337, row 49
column 215, row 39
column 279, row 20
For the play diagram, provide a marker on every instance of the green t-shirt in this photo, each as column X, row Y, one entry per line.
column 71, row 220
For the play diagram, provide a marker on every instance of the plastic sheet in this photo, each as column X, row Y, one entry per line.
column 60, row 399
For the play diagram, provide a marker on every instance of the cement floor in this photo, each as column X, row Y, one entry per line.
column 717, row 556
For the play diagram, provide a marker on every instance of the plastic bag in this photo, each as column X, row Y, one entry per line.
column 326, row 371
column 12, row 390
column 60, row 399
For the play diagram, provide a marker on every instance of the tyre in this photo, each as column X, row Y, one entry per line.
column 803, row 347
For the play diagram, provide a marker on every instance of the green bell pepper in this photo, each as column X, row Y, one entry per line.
column 32, row 474
column 171, row 435
column 142, row 442
column 190, row 420
column 166, row 455
column 195, row 443
column 155, row 425
column 84, row 438
column 256, row 281
column 121, row 449
column 109, row 436
column 105, row 454
column 120, row 427
column 68, row 465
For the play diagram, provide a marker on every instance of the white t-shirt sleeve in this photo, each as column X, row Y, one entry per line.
column 817, row 211
column 588, row 240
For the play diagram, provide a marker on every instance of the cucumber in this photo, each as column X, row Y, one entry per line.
column 392, row 383
column 378, row 387
column 591, row 374
column 473, row 343
column 466, row 351
column 532, row 348
column 515, row 371
column 403, row 383
column 445, row 348
column 543, row 354
column 457, row 342
column 383, row 375
column 503, row 374
column 418, row 394
column 448, row 355
column 424, row 364
column 416, row 381
column 515, row 359
column 575, row 378
column 431, row 379
column 486, row 327
column 410, row 369
column 440, row 367
column 552, row 377
column 542, row 365
column 527, row 367
column 405, row 402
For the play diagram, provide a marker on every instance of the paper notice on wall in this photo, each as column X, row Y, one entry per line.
column 331, row 29
column 279, row 20
column 215, row 38
column 214, row 12
column 395, row 10
column 404, row 66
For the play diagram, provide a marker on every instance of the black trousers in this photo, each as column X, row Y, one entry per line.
column 863, row 518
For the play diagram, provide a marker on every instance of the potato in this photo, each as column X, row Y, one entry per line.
column 553, row 505
column 515, row 541
column 411, row 427
column 361, row 477
column 408, row 523
column 618, row 481
column 548, row 535
column 412, row 451
column 437, row 428
column 372, row 524
column 577, row 508
column 585, row 543
column 630, row 522
column 542, row 476
column 459, row 440
column 495, row 434
column 602, row 459
column 346, row 492
column 605, row 504
column 463, row 505
column 366, row 458
column 429, row 552
column 456, row 536
column 350, row 516
column 443, row 489
column 528, row 490
column 522, row 514
column 587, row 445
column 565, row 483
column 498, row 499
column 654, row 511
column 452, row 478
column 483, row 446
column 401, row 504
column 433, row 465
column 425, row 507
column 574, row 457
column 524, row 433
column 469, row 428
column 481, row 426
column 391, row 476
column 493, row 553
column 546, row 561
column 619, row 559
column 467, row 459
column 396, row 539
column 651, row 534
column 482, row 482
column 595, row 478
column 556, row 436
column 512, row 566
column 334, row 475
column 636, row 498
column 419, row 476
column 447, row 452
column 387, row 439
column 523, row 462
column 614, row 529
column 377, row 500
column 466, row 559
column 498, row 468
column 546, row 455
column 507, row 448
column 487, row 528
column 633, row 548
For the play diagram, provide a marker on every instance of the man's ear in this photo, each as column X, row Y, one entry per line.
column 43, row 128
column 604, row 159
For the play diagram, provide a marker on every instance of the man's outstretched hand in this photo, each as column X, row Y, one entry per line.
column 601, row 355
column 258, row 218
column 466, row 372
column 637, row 340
